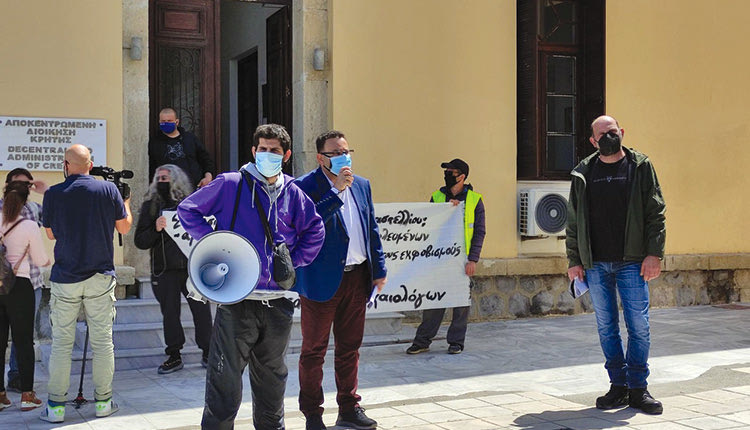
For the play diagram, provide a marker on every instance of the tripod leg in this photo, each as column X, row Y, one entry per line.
column 79, row 400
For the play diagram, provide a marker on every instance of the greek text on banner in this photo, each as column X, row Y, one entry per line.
column 424, row 252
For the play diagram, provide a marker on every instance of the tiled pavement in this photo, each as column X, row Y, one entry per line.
column 540, row 374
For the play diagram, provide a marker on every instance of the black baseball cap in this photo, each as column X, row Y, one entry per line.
column 457, row 164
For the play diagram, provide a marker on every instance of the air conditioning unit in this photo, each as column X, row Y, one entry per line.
column 542, row 211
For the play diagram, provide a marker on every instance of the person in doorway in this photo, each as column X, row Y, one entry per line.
column 254, row 331
column 615, row 241
column 456, row 190
column 169, row 266
column 31, row 211
column 23, row 242
column 173, row 144
column 335, row 287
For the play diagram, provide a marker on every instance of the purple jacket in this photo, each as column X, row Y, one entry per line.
column 292, row 218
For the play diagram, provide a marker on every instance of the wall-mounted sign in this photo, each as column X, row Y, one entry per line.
column 39, row 144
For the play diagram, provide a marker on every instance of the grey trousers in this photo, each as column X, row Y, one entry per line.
column 431, row 319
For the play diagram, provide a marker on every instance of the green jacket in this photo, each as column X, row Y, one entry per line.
column 645, row 229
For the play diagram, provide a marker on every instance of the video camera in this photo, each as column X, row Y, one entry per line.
column 111, row 175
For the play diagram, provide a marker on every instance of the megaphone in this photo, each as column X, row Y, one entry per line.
column 224, row 267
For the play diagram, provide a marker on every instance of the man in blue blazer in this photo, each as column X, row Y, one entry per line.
column 335, row 287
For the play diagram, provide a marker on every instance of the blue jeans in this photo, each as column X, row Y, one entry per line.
column 605, row 280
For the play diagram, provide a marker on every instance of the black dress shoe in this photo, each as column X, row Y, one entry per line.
column 314, row 422
column 356, row 419
column 616, row 396
column 641, row 399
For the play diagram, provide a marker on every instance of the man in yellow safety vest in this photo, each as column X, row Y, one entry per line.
column 455, row 191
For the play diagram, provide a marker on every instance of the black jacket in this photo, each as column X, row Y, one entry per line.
column 165, row 254
column 191, row 156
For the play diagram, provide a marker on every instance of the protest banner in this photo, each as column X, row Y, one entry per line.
column 38, row 144
column 424, row 252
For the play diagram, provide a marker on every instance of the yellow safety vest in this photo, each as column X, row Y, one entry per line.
column 472, row 199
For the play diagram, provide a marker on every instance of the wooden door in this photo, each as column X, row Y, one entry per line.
column 247, row 105
column 278, row 97
column 184, row 67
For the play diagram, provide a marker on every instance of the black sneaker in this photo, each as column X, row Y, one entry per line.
column 455, row 349
column 173, row 364
column 14, row 384
column 416, row 349
column 314, row 422
column 616, row 396
column 204, row 361
column 641, row 399
column 356, row 419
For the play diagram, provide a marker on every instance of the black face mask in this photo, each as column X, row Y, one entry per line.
column 163, row 189
column 609, row 143
column 450, row 180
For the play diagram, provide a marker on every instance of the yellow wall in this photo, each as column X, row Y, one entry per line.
column 419, row 82
column 63, row 59
column 677, row 80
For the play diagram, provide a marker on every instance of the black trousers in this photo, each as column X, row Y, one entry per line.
column 254, row 333
column 17, row 314
column 169, row 288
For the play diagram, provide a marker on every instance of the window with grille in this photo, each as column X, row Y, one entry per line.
column 560, row 83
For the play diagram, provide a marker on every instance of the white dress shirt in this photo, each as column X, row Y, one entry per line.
column 357, row 253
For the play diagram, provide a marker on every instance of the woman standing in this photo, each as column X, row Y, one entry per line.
column 169, row 265
column 22, row 240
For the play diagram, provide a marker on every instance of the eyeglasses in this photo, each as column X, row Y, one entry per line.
column 337, row 153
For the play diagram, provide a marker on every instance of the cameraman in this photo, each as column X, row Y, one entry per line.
column 82, row 213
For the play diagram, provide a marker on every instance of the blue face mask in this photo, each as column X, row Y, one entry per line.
column 167, row 127
column 339, row 161
column 268, row 163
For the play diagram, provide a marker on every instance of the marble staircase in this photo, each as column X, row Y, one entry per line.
column 139, row 339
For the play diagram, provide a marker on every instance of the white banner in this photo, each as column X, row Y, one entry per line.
column 174, row 229
column 424, row 254
column 39, row 144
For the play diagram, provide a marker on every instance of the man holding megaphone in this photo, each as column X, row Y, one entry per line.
column 254, row 331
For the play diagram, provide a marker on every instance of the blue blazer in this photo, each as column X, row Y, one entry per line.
column 320, row 280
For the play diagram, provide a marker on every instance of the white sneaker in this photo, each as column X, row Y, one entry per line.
column 106, row 408
column 53, row 414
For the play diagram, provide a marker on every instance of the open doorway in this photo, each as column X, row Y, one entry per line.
column 256, row 83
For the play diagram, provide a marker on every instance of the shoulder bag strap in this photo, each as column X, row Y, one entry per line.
column 2, row 238
column 18, row 264
column 261, row 212
column 236, row 203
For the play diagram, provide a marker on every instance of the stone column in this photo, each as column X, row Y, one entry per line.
column 135, row 121
column 310, row 87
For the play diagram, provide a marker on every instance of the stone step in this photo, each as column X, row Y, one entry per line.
column 127, row 359
column 145, row 311
column 137, row 335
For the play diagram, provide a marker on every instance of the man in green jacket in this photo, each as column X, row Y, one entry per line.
column 615, row 242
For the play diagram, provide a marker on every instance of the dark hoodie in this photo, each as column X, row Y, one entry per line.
column 185, row 151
